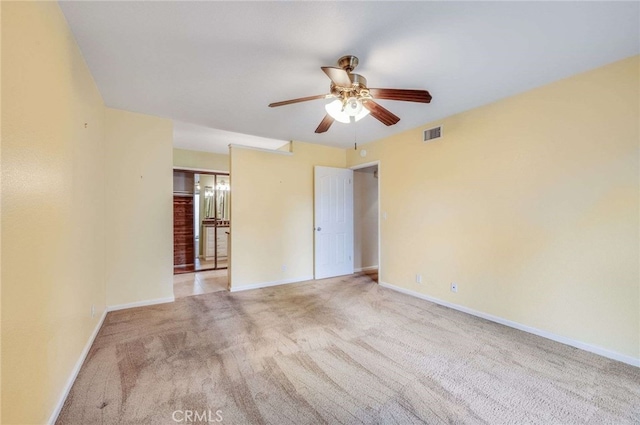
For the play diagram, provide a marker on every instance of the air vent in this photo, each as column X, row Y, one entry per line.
column 432, row 133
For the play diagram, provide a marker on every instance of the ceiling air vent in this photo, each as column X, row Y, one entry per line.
column 432, row 133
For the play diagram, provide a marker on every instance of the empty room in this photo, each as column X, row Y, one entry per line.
column 320, row 212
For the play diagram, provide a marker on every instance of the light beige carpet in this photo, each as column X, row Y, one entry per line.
column 337, row 351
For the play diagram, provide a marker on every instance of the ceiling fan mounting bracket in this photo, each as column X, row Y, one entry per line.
column 348, row 63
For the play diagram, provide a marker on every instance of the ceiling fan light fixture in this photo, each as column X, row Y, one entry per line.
column 334, row 109
column 353, row 106
column 343, row 112
column 363, row 112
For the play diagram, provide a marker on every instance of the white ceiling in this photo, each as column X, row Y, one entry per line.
column 219, row 64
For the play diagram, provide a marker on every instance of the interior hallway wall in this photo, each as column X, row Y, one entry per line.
column 139, row 209
column 272, row 212
column 183, row 158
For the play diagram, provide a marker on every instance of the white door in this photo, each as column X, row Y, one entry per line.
column 333, row 226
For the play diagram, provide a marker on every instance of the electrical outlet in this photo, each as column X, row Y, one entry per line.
column 418, row 278
column 93, row 310
column 454, row 287
column 284, row 267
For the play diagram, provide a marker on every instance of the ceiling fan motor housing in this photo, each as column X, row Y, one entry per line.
column 358, row 80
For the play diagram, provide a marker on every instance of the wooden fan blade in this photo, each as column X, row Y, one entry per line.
column 300, row 99
column 325, row 124
column 339, row 76
column 420, row 96
column 381, row 114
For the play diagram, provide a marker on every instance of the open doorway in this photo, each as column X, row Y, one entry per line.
column 200, row 221
column 366, row 220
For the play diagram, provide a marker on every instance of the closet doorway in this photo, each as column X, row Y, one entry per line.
column 200, row 220
column 366, row 229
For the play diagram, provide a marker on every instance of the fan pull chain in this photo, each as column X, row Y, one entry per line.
column 355, row 135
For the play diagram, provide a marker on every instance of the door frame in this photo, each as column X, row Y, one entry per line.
column 315, row 220
column 367, row 165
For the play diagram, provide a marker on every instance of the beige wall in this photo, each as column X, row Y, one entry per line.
column 272, row 212
column 183, row 158
column 0, row 222
column 530, row 204
column 139, row 211
column 365, row 217
column 53, row 209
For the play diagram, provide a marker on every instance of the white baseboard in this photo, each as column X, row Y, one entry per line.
column 558, row 338
column 365, row 269
column 76, row 370
column 141, row 303
column 87, row 347
column 267, row 284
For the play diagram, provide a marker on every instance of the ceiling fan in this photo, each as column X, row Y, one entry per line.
column 353, row 99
